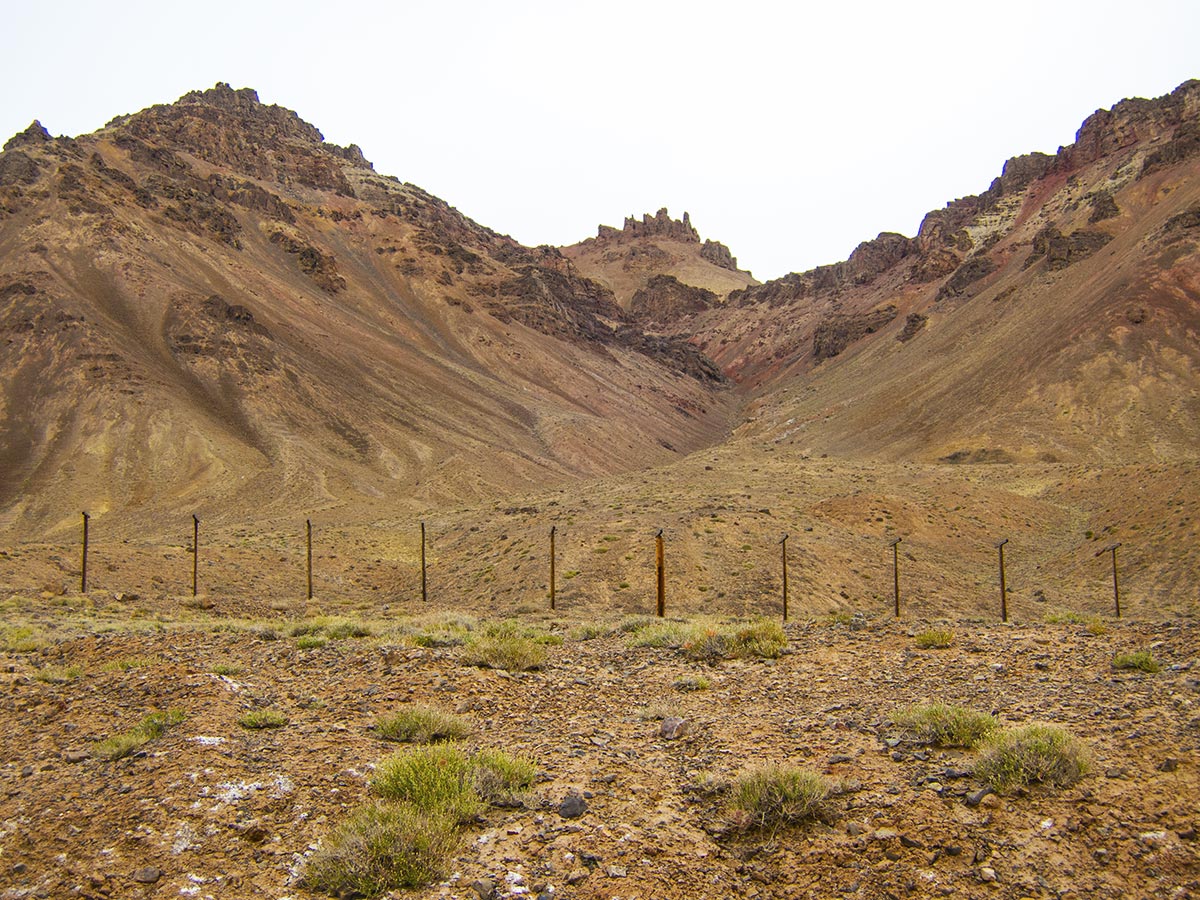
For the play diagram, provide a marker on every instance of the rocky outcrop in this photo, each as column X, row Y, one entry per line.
column 320, row 267
column 32, row 136
column 718, row 254
column 961, row 283
column 1129, row 122
column 913, row 325
column 1103, row 207
column 17, row 168
column 1184, row 144
column 835, row 333
column 1062, row 250
column 666, row 299
column 659, row 225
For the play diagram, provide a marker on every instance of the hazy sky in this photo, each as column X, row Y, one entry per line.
column 790, row 132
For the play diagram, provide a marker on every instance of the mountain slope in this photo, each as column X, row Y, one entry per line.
column 205, row 305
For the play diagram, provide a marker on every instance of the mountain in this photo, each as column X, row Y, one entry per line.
column 657, row 267
column 205, row 305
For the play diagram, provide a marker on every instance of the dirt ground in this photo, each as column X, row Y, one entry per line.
column 214, row 810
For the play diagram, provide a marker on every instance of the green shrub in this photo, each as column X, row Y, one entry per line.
column 1034, row 754
column 442, row 630
column 382, row 847
column 500, row 778
column 422, row 725
column 263, row 718
column 935, row 639
column 340, row 629
column 1093, row 625
column 21, row 639
column 692, row 683
column 588, row 632
column 659, row 634
column 128, row 663
column 155, row 725
column 762, row 638
column 945, row 725
column 311, row 641
column 632, row 624
column 435, row 779
column 509, row 652
column 1140, row 659
column 771, row 796
column 226, row 669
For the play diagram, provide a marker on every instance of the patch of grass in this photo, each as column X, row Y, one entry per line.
column 422, row 725
column 340, row 629
column 772, row 796
column 659, row 633
column 500, row 778
column 945, row 725
column 155, row 725
column 1093, row 625
column 446, row 630
column 21, row 639
column 633, row 624
column 762, row 638
column 935, row 639
column 1033, row 754
column 382, row 847
column 263, row 718
column 436, row 779
column 1142, row 660
column 588, row 632
column 656, row 711
column 512, row 653
column 311, row 641
column 58, row 674
column 226, row 669
column 839, row 618
column 128, row 663
column 513, row 628
column 697, row 683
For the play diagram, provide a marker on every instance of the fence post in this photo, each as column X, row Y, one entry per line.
column 662, row 581
column 553, row 529
column 1112, row 548
column 83, row 573
column 1003, row 586
column 895, row 545
column 195, row 553
column 783, row 544
column 424, row 584
column 308, row 535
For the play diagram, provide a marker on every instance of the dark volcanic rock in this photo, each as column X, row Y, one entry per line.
column 913, row 325
column 1103, row 207
column 666, row 299
column 17, row 168
column 1062, row 250
column 718, row 254
column 32, row 136
column 320, row 267
column 659, row 225
column 836, row 333
column 967, row 274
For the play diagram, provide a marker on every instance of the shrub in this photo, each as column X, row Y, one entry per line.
column 1140, row 659
column 128, row 663
column 510, row 652
column 776, row 795
column 945, row 725
column 588, row 632
column 655, row 711
column 20, row 639
column 155, row 725
column 935, row 639
column 381, row 847
column 1034, row 754
column 422, row 725
column 311, row 641
column 659, row 634
column 445, row 630
column 697, row 683
column 762, row 638
column 500, row 778
column 263, row 718
column 1093, row 625
column 633, row 624
column 339, row 629
column 226, row 669
column 436, row 779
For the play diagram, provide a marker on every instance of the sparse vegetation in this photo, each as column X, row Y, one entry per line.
column 771, row 796
column 659, row 633
column 21, row 639
column 329, row 628
column 692, row 683
column 945, row 725
column 1142, row 660
column 1033, row 754
column 382, row 847
column 935, row 639
column 422, row 725
column 58, row 674
column 153, row 726
column 761, row 638
column 588, row 632
column 655, row 711
column 500, row 778
column 509, row 645
column 128, row 663
column 436, row 779
column 1092, row 624
column 263, row 718
column 311, row 641
column 633, row 624
column 226, row 670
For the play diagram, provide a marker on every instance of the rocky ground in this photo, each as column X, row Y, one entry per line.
column 213, row 809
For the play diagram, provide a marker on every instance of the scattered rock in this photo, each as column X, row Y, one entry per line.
column 573, row 806
column 485, row 888
column 1170, row 764
column 673, row 728
column 148, row 875
column 75, row 756
column 986, row 874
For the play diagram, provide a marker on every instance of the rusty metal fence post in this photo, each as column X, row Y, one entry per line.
column 83, row 568
column 662, row 581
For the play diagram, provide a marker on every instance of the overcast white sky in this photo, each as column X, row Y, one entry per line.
column 790, row 133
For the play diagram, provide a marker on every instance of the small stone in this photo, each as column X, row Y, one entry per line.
column 576, row 876
column 911, row 843
column 617, row 872
column 572, row 807
column 485, row 888
column 854, row 829
column 1170, row 764
column 952, row 850
column 886, row 834
column 986, row 873
column 26, row 771
column 840, row 758
column 976, row 798
column 75, row 756
column 18, row 868
column 673, row 728
column 148, row 875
